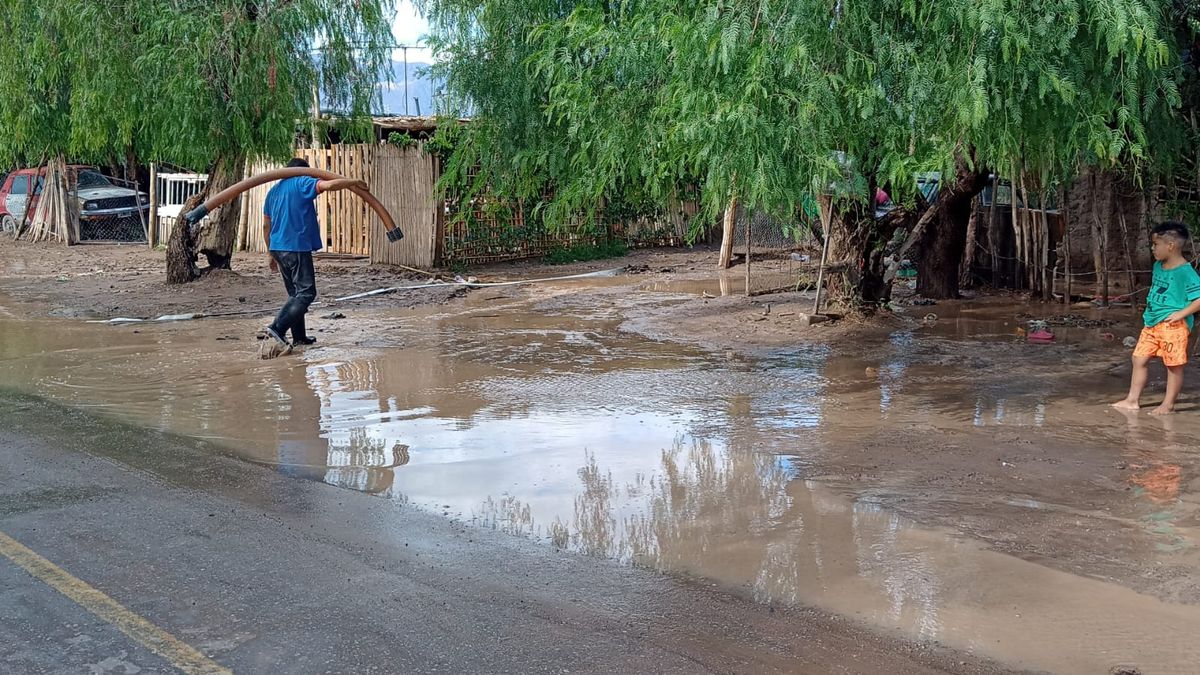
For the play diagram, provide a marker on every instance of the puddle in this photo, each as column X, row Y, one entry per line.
column 566, row 430
column 726, row 284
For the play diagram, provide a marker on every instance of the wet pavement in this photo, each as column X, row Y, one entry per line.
column 557, row 426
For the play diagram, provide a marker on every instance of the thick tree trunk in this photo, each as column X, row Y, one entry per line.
column 181, row 247
column 216, row 237
column 944, row 240
column 856, row 251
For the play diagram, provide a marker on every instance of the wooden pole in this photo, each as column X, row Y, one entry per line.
column 993, row 223
column 1046, row 269
column 826, row 216
column 1097, row 238
column 152, row 239
column 1018, row 237
column 316, row 119
column 1104, row 228
column 749, row 224
column 1131, row 280
column 1067, row 281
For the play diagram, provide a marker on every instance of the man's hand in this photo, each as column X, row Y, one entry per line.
column 274, row 264
column 1177, row 316
column 341, row 184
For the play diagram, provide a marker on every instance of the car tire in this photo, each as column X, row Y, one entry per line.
column 9, row 225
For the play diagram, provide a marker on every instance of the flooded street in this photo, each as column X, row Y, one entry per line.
column 923, row 486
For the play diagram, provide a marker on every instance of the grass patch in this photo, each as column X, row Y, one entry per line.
column 585, row 252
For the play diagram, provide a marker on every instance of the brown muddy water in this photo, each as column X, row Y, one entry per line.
column 563, row 428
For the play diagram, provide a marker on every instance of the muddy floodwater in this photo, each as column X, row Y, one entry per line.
column 556, row 424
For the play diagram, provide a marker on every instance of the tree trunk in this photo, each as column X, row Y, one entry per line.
column 1097, row 237
column 216, row 240
column 1018, row 268
column 944, row 240
column 730, row 222
column 856, row 251
column 968, row 261
column 993, row 235
column 1068, row 280
column 216, row 237
column 181, row 247
column 1104, row 228
column 1047, row 270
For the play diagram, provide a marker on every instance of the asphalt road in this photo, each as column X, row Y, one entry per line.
column 124, row 550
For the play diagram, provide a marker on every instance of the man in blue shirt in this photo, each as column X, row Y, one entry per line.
column 291, row 232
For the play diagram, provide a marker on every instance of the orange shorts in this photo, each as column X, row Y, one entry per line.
column 1168, row 340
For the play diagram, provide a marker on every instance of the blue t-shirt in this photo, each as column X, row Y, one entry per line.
column 293, row 215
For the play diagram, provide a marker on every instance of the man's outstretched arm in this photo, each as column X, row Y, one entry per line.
column 340, row 184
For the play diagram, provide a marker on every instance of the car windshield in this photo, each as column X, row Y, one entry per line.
column 92, row 179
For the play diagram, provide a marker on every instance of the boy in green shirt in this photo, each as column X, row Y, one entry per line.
column 1174, row 297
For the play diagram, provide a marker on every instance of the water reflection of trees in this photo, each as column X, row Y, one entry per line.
column 700, row 494
column 738, row 516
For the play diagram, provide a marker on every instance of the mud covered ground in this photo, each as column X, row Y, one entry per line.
column 941, row 475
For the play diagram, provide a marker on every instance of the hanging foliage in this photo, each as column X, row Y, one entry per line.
column 197, row 83
column 769, row 102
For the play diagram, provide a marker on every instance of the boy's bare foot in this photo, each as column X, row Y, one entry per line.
column 1126, row 404
column 1163, row 409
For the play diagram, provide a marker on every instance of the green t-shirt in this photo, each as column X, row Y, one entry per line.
column 1170, row 291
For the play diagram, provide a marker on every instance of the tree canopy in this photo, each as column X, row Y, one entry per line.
column 182, row 81
column 762, row 97
column 770, row 101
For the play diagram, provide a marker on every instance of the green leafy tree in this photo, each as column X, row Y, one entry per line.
column 198, row 83
column 764, row 103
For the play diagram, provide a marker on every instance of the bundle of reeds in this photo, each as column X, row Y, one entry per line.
column 56, row 217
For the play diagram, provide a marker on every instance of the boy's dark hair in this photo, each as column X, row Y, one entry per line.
column 1172, row 228
column 297, row 162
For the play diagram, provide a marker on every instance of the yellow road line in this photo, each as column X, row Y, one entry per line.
column 178, row 653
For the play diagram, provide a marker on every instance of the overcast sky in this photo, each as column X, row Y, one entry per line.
column 409, row 28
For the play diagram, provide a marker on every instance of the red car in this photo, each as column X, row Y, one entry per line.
column 106, row 210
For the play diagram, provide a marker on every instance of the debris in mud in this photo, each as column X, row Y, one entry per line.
column 637, row 269
column 1070, row 320
column 1124, row 670
column 334, row 315
column 271, row 349
column 1040, row 336
column 919, row 302
column 1129, row 341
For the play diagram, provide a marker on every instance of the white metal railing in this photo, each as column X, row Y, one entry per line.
column 174, row 189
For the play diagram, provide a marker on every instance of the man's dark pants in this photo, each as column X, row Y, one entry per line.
column 300, row 280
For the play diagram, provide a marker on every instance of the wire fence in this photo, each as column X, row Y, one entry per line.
column 110, row 209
